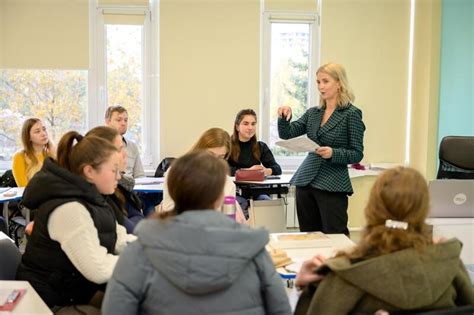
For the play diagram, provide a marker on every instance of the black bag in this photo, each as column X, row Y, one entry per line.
column 163, row 166
column 7, row 179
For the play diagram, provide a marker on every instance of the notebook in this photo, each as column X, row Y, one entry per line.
column 452, row 198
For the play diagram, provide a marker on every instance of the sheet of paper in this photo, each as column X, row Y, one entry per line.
column 149, row 180
column 299, row 144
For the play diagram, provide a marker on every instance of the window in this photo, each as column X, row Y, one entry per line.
column 57, row 97
column 290, row 57
column 123, row 72
column 124, row 66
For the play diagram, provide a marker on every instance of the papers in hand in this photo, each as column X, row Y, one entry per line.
column 299, row 144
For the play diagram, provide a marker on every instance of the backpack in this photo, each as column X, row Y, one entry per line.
column 7, row 179
column 163, row 166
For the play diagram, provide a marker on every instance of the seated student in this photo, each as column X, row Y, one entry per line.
column 217, row 142
column 36, row 147
column 72, row 250
column 247, row 152
column 396, row 265
column 196, row 260
column 124, row 200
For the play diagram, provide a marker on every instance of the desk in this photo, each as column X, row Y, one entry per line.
column 6, row 200
column 30, row 303
column 299, row 255
column 462, row 229
column 250, row 189
column 149, row 188
column 270, row 214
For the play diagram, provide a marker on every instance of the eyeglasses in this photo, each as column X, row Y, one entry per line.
column 115, row 170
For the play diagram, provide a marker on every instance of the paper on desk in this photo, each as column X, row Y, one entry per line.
column 299, row 144
column 149, row 180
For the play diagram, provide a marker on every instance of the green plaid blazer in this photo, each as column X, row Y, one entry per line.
column 343, row 132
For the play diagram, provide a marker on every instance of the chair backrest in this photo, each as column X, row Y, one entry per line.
column 7, row 179
column 11, row 258
column 163, row 166
column 456, row 157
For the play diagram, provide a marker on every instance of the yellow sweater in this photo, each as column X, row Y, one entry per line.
column 22, row 169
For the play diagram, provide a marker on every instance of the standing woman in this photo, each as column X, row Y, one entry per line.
column 322, row 181
column 36, row 147
column 73, row 247
column 249, row 153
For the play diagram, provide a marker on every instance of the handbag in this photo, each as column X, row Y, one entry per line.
column 245, row 175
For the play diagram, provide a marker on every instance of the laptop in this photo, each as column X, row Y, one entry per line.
column 452, row 198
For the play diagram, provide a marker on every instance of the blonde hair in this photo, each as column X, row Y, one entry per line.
column 399, row 194
column 213, row 138
column 345, row 95
column 32, row 163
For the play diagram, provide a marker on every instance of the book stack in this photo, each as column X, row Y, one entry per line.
column 299, row 240
column 279, row 257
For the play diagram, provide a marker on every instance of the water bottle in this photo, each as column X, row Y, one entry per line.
column 228, row 208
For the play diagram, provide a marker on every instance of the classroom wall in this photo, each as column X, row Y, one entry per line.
column 456, row 113
column 46, row 34
column 209, row 67
column 2, row 29
column 210, row 60
column 371, row 39
column 426, row 76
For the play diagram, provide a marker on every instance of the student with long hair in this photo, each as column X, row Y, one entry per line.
column 36, row 147
column 322, row 180
column 396, row 265
column 73, row 248
column 248, row 152
column 196, row 260
column 217, row 142
column 124, row 200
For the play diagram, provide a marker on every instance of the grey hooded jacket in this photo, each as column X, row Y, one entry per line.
column 199, row 262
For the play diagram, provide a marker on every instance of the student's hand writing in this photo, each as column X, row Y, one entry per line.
column 284, row 112
column 324, row 152
column 257, row 167
column 306, row 275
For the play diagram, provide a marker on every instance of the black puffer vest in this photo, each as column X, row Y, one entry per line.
column 44, row 264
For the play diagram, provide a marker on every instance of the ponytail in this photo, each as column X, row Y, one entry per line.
column 90, row 150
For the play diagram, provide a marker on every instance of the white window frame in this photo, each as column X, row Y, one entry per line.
column 97, row 85
column 288, row 163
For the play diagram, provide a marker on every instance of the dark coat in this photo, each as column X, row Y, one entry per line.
column 343, row 132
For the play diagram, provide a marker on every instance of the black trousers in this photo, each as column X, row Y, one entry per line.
column 320, row 210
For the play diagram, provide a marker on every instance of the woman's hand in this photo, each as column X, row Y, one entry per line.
column 306, row 275
column 267, row 171
column 324, row 152
column 284, row 112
